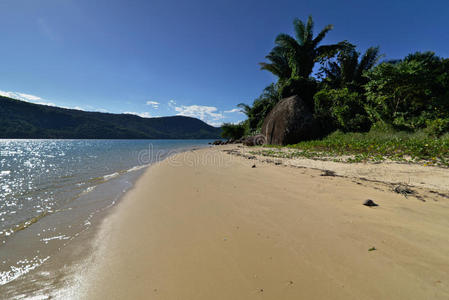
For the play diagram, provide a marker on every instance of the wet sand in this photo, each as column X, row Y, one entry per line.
column 207, row 225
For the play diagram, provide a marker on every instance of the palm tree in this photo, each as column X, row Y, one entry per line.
column 347, row 70
column 279, row 65
column 302, row 53
column 261, row 107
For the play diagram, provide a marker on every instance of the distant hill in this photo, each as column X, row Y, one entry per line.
column 19, row 119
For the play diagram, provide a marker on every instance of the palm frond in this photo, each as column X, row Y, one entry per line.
column 300, row 30
column 288, row 43
column 279, row 65
column 322, row 34
column 348, row 59
column 327, row 51
column 369, row 60
column 246, row 109
column 272, row 68
column 309, row 30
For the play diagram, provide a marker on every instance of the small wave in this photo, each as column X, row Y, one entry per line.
column 136, row 168
column 22, row 226
column 58, row 237
column 96, row 181
column 87, row 190
column 23, row 267
column 110, row 176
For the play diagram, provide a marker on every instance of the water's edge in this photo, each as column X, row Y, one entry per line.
column 54, row 273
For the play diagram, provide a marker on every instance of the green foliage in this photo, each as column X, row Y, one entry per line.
column 350, row 92
column 304, row 51
column 19, row 119
column 347, row 70
column 261, row 107
column 437, row 127
column 341, row 109
column 279, row 63
column 232, row 131
column 340, row 103
column 377, row 145
column 410, row 92
column 292, row 60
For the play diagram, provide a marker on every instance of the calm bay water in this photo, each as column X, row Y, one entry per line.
column 51, row 191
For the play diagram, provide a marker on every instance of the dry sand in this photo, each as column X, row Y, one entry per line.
column 206, row 225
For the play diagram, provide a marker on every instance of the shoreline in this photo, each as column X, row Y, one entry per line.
column 206, row 225
column 55, row 275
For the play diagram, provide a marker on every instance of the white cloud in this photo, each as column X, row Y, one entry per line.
column 38, row 100
column 208, row 114
column 20, row 96
column 235, row 110
column 26, row 97
column 144, row 114
column 215, row 124
column 154, row 104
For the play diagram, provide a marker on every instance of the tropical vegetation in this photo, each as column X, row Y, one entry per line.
column 355, row 92
column 377, row 145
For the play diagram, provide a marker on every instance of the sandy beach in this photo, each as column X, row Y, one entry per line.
column 208, row 225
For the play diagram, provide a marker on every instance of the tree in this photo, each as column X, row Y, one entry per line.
column 232, row 131
column 261, row 107
column 341, row 109
column 341, row 102
column 292, row 60
column 279, row 65
column 409, row 93
column 347, row 70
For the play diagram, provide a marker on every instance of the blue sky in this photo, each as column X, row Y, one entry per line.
column 196, row 57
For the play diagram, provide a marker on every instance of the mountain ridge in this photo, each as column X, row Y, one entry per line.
column 20, row 119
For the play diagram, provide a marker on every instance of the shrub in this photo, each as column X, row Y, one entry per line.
column 233, row 131
column 410, row 92
column 437, row 127
column 341, row 109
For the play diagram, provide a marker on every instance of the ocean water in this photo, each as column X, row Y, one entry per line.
column 54, row 191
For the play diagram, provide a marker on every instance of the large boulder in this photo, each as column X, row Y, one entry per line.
column 289, row 122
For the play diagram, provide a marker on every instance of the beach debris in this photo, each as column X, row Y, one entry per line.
column 370, row 203
column 372, row 249
column 403, row 190
column 278, row 162
column 440, row 194
column 328, row 173
column 253, row 166
column 261, row 290
column 290, row 282
column 251, row 157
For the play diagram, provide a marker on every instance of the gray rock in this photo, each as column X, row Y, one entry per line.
column 370, row 203
column 289, row 122
column 256, row 140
